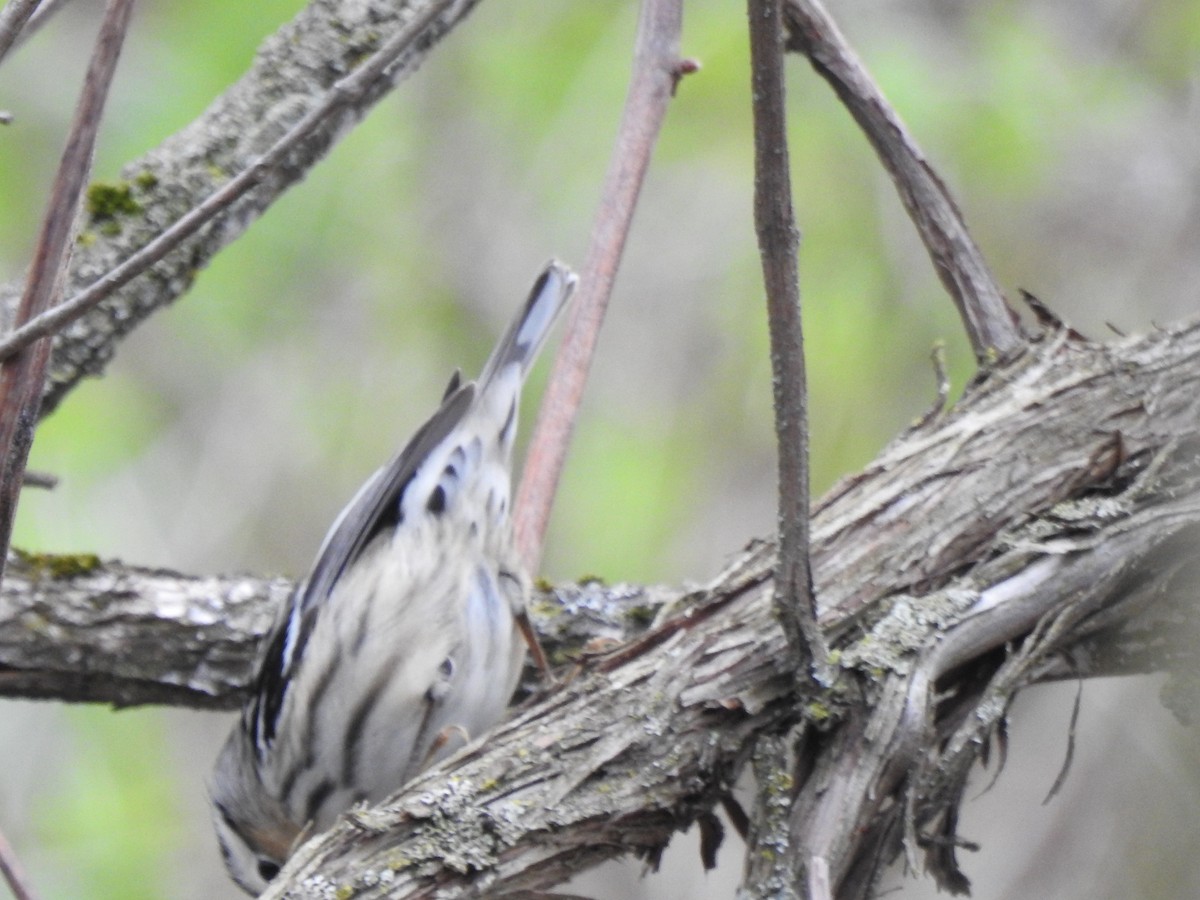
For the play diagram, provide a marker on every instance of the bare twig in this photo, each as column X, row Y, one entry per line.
column 21, row 378
column 991, row 325
column 656, row 71
column 13, row 18
column 43, row 480
column 13, row 873
column 343, row 93
column 779, row 242
column 942, row 379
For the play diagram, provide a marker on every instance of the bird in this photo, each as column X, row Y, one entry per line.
column 406, row 632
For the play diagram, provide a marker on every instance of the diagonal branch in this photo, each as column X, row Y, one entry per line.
column 13, row 18
column 656, row 71
column 990, row 324
column 341, row 96
column 292, row 73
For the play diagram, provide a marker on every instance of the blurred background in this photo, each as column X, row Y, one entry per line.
column 232, row 428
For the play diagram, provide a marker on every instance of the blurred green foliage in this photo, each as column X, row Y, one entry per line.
column 112, row 813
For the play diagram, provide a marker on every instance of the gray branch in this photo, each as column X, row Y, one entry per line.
column 1032, row 532
column 290, row 75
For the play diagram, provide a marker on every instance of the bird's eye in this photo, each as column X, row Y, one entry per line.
column 267, row 869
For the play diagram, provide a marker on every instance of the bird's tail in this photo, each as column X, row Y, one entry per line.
column 525, row 336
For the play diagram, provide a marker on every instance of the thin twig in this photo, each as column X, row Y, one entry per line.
column 13, row 872
column 21, row 378
column 43, row 480
column 46, row 10
column 942, row 379
column 656, row 71
column 13, row 18
column 1069, row 756
column 990, row 323
column 779, row 243
column 341, row 94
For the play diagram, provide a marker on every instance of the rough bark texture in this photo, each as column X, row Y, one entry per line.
column 1033, row 531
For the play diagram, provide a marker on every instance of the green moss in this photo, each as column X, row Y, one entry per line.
column 544, row 608
column 586, row 580
column 107, row 201
column 146, row 181
column 780, row 783
column 641, row 615
column 345, row 892
column 58, row 565
column 818, row 712
column 86, row 238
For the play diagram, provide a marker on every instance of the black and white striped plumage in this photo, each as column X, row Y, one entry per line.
column 403, row 632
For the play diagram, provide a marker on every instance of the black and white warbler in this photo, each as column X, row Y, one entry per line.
column 405, row 632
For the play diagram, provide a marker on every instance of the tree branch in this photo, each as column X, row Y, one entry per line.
column 656, row 71
column 21, row 379
column 1063, row 483
column 643, row 740
column 990, row 324
column 291, row 74
column 341, row 95
column 779, row 246
column 80, row 629
column 13, row 18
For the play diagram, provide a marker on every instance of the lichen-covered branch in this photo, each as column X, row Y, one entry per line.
column 83, row 630
column 290, row 74
column 74, row 628
column 1037, row 523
